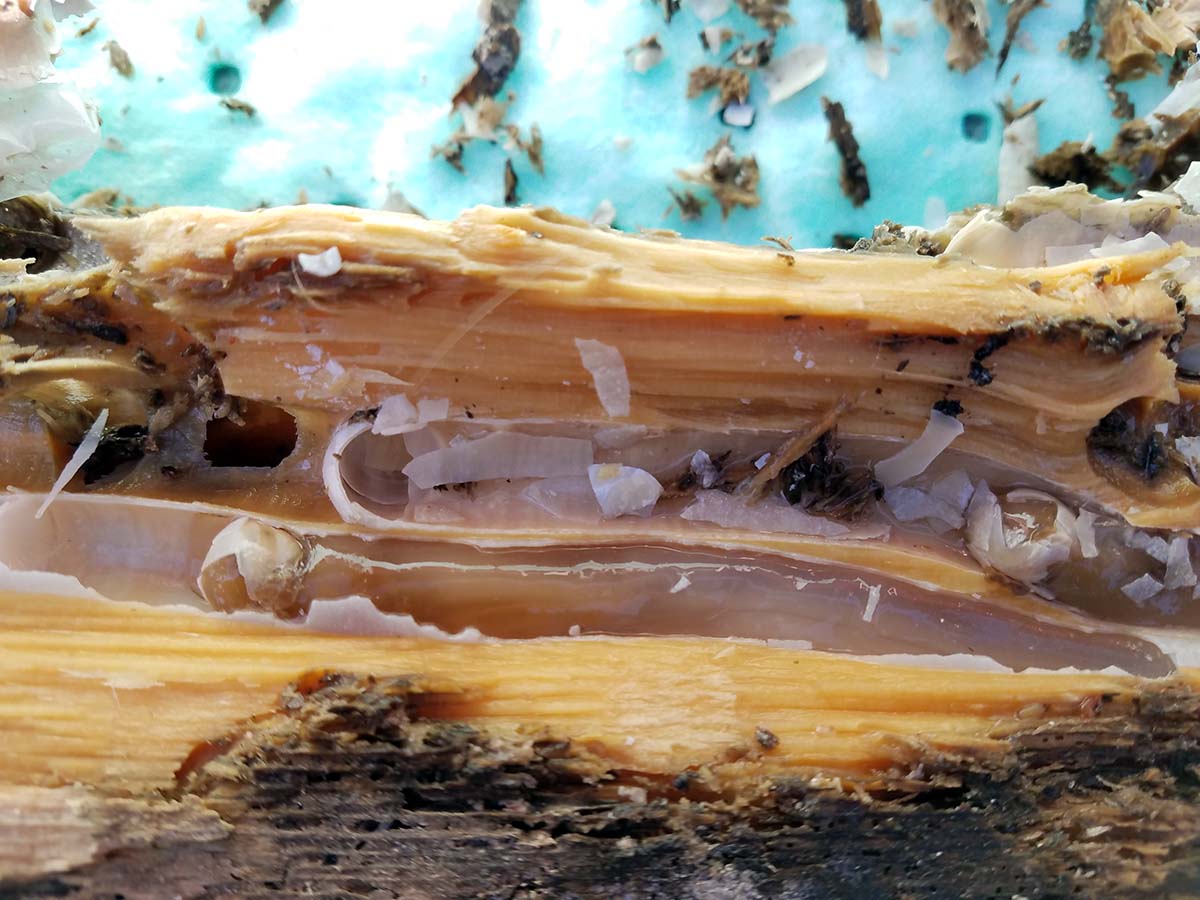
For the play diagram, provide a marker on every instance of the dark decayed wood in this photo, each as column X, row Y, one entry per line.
column 352, row 789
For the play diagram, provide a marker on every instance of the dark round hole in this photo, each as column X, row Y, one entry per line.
column 224, row 78
column 264, row 437
column 975, row 127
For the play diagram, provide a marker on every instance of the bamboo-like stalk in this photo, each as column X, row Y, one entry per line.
column 117, row 694
column 168, row 680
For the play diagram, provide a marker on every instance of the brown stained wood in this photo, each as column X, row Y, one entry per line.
column 348, row 789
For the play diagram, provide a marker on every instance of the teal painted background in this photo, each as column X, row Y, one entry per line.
column 351, row 94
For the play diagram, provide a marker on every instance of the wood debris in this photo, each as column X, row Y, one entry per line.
column 397, row 202
column 451, row 150
column 753, row 54
column 235, row 105
column 264, row 9
column 854, row 171
column 1154, row 158
column 864, row 19
column 645, row 54
column 1017, row 11
column 499, row 12
column 1132, row 37
column 510, row 184
column 531, row 148
column 786, row 253
column 1078, row 43
column 201, row 29
column 668, row 7
column 770, row 14
column 967, row 21
column 495, row 56
column 690, row 206
column 732, row 179
column 119, row 59
column 733, row 85
column 713, row 38
column 1157, row 159
column 1075, row 161
column 1122, row 105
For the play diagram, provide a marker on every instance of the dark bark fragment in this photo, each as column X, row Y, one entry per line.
column 495, row 57
column 1156, row 160
column 668, row 7
column 1078, row 43
column 510, row 183
column 29, row 229
column 1122, row 104
column 864, row 19
column 1017, row 11
column 351, row 788
column 854, row 171
column 125, row 443
column 690, row 206
column 1074, row 161
column 821, row 483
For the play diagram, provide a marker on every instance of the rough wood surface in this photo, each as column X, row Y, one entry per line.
column 348, row 790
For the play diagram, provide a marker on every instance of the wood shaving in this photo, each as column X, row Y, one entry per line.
column 1132, row 38
column 119, row 59
column 733, row 85
column 967, row 21
column 770, row 14
column 235, row 105
column 689, row 205
column 451, row 151
column 732, row 179
column 531, row 148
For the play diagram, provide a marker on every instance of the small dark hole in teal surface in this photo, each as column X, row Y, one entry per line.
column 224, row 78
column 975, row 127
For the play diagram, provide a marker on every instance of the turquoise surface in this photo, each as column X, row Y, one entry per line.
column 351, row 95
